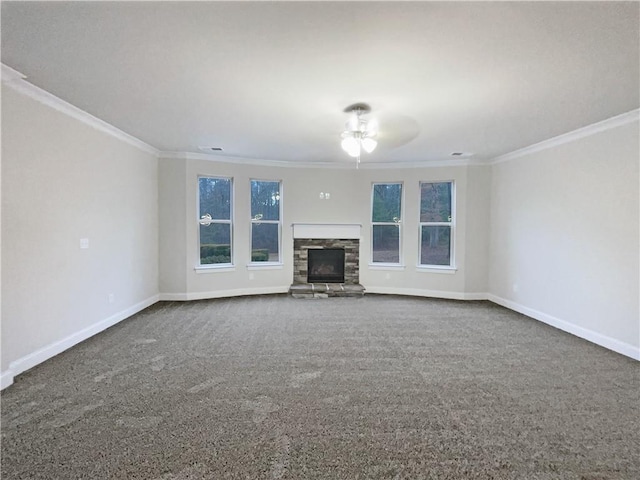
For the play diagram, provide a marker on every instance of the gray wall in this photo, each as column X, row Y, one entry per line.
column 63, row 180
column 564, row 236
column 350, row 200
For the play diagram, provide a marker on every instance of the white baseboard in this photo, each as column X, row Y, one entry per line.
column 45, row 353
column 418, row 292
column 6, row 379
column 29, row 361
column 173, row 297
column 584, row 333
column 183, row 297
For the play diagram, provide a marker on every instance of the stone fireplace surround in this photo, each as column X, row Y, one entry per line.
column 307, row 236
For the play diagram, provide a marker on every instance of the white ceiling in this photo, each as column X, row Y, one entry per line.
column 270, row 80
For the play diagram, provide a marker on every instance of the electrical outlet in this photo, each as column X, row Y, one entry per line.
column 112, row 298
column 84, row 243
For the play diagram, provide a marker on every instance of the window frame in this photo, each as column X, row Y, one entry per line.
column 256, row 265
column 217, row 266
column 427, row 267
column 387, row 265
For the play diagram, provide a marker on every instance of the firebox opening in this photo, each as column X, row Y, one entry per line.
column 325, row 265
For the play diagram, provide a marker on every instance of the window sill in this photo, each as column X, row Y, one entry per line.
column 436, row 269
column 386, row 266
column 215, row 268
column 265, row 266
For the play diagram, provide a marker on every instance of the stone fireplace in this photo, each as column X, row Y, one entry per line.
column 333, row 251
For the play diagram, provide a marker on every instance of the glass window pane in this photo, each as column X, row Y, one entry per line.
column 215, row 243
column 435, row 202
column 387, row 198
column 265, row 242
column 436, row 245
column 215, row 197
column 386, row 243
column 265, row 200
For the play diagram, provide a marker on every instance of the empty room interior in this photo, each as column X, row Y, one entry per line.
column 329, row 240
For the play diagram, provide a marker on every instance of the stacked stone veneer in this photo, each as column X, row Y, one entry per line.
column 351, row 257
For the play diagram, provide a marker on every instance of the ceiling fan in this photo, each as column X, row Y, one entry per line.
column 360, row 134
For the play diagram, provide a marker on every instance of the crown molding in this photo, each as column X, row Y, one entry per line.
column 422, row 164
column 349, row 165
column 232, row 159
column 17, row 81
column 603, row 126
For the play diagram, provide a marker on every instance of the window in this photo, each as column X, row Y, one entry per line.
column 436, row 224
column 216, row 232
column 386, row 221
column 265, row 221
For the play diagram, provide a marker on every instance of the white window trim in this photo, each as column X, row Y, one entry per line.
column 266, row 265
column 436, row 269
column 426, row 267
column 387, row 265
column 216, row 267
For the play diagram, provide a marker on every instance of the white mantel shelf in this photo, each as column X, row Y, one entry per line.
column 327, row 230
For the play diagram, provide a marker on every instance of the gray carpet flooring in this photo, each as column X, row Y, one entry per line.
column 272, row 387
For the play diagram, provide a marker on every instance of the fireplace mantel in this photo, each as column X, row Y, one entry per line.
column 327, row 230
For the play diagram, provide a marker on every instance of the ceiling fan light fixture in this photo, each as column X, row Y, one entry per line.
column 355, row 153
column 351, row 146
column 349, row 143
column 354, row 123
column 369, row 144
column 359, row 133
